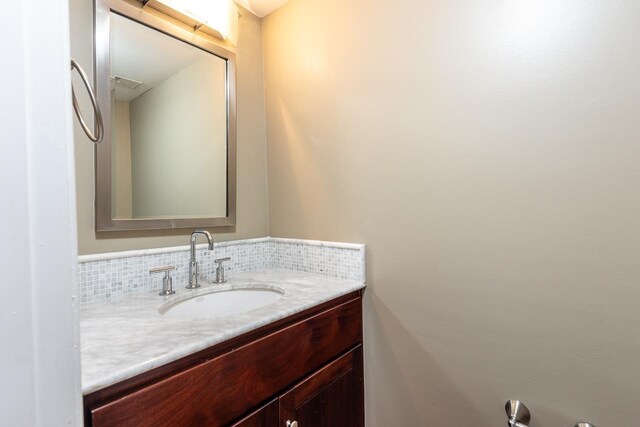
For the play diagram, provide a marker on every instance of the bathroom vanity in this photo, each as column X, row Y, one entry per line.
column 295, row 359
column 305, row 368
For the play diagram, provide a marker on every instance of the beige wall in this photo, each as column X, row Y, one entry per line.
column 179, row 150
column 121, row 199
column 487, row 153
column 252, row 216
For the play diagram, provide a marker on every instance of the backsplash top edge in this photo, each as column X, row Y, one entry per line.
column 340, row 245
column 171, row 249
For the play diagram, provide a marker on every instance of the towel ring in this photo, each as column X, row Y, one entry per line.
column 99, row 127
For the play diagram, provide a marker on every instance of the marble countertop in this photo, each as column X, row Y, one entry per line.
column 122, row 339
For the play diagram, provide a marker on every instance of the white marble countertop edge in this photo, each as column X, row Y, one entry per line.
column 338, row 289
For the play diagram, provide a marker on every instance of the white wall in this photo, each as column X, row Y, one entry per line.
column 39, row 361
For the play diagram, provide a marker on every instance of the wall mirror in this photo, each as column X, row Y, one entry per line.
column 167, row 95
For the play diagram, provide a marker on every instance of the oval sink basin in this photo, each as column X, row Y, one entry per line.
column 222, row 303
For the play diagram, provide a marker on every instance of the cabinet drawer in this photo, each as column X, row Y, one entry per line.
column 222, row 389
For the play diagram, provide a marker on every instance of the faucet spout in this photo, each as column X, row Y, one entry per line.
column 193, row 264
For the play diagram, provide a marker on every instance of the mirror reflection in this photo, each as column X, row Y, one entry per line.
column 169, row 126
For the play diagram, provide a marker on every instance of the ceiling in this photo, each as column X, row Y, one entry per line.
column 145, row 55
column 261, row 7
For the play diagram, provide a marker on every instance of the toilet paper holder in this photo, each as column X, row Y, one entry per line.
column 519, row 416
column 517, row 413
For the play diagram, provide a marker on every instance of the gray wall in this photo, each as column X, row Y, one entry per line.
column 179, row 148
column 487, row 153
column 252, row 219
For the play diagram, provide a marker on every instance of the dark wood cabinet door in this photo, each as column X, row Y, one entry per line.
column 267, row 416
column 331, row 397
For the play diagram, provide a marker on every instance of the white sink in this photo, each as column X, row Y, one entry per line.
column 221, row 303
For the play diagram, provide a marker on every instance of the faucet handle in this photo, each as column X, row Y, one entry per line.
column 220, row 270
column 167, row 281
column 165, row 269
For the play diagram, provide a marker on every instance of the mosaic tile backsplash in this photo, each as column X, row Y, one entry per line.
column 121, row 274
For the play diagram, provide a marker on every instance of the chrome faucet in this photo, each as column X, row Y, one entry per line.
column 193, row 265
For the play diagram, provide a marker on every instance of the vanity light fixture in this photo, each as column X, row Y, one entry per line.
column 218, row 18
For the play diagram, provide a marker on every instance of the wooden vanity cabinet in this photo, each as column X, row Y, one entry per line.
column 268, row 415
column 332, row 396
column 307, row 368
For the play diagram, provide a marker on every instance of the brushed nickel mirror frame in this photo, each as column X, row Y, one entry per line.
column 133, row 10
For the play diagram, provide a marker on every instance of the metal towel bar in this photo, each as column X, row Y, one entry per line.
column 98, row 133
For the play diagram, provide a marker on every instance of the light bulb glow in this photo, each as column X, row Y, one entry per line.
column 216, row 14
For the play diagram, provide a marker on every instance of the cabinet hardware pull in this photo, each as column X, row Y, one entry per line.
column 292, row 423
